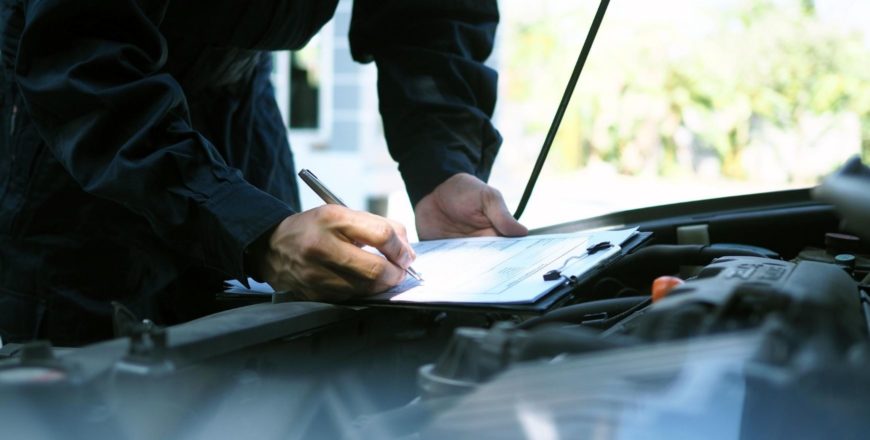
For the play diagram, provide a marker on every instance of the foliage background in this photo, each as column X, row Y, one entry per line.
column 768, row 91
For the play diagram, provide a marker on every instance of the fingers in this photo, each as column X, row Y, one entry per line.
column 315, row 253
column 463, row 206
column 326, row 283
column 353, row 272
column 403, row 234
column 366, row 271
column 390, row 238
column 497, row 212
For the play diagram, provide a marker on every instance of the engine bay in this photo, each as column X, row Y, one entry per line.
column 738, row 318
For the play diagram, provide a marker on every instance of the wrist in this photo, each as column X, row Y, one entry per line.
column 255, row 254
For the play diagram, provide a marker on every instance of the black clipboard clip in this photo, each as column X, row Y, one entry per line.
column 555, row 274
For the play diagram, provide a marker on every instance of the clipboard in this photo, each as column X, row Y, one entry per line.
column 564, row 293
column 555, row 298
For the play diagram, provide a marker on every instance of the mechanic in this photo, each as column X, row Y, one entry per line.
column 144, row 159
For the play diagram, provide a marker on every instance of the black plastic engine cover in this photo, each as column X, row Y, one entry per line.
column 806, row 284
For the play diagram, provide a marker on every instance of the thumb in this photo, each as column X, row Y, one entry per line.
column 497, row 212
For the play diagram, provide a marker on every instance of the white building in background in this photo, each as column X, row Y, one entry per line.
column 329, row 103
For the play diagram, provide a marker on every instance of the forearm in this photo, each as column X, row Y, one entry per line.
column 436, row 95
column 90, row 75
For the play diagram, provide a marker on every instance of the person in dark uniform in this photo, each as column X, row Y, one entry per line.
column 144, row 160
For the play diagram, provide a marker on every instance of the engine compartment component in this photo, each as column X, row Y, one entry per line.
column 734, row 293
column 730, row 294
column 717, row 387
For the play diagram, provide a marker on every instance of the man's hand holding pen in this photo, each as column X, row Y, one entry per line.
column 317, row 253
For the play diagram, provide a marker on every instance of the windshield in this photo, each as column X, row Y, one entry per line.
column 679, row 100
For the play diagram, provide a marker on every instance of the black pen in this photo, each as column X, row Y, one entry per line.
column 329, row 197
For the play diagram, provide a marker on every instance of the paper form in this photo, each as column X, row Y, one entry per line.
column 500, row 269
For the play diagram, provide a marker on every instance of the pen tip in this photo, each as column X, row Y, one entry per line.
column 414, row 274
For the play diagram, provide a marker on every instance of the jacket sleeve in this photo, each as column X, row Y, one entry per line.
column 90, row 75
column 436, row 95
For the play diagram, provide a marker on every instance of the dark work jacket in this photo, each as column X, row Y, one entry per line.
column 142, row 151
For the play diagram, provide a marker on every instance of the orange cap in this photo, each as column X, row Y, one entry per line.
column 663, row 285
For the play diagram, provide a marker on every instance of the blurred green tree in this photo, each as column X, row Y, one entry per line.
column 670, row 99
